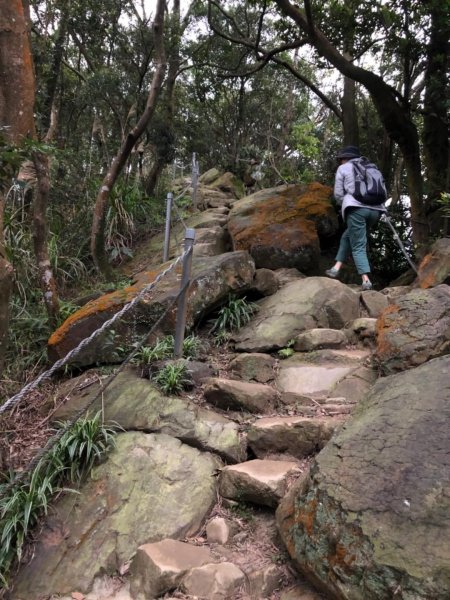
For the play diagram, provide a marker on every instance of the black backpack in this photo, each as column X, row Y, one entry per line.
column 370, row 188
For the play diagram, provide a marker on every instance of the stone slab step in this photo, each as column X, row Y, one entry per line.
column 263, row 482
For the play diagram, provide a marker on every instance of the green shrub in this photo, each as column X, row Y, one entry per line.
column 236, row 313
column 191, row 346
column 165, row 348
column 173, row 378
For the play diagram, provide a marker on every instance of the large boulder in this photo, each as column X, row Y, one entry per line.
column 137, row 405
column 371, row 520
column 228, row 183
column 414, row 329
column 300, row 305
column 435, row 266
column 211, row 280
column 152, row 487
column 281, row 227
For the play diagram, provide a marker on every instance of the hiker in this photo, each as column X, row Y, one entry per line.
column 358, row 216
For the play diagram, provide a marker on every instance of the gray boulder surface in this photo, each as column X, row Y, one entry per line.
column 300, row 305
column 138, row 405
column 372, row 517
column 414, row 329
column 152, row 487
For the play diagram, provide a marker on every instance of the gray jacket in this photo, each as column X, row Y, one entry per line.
column 344, row 188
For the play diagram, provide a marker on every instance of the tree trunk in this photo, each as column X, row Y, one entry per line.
column 98, row 248
column 349, row 115
column 17, row 116
column 162, row 161
column 348, row 100
column 154, row 175
column 52, row 82
column 435, row 122
column 46, row 279
column 394, row 116
column 16, row 72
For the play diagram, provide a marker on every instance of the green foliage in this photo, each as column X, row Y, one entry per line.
column 173, row 378
column 66, row 308
column 83, row 445
column 305, row 140
column 23, row 505
column 191, row 346
column 287, row 351
column 444, row 203
column 27, row 348
column 385, row 256
column 165, row 348
column 236, row 313
column 221, row 337
column 161, row 350
column 243, row 511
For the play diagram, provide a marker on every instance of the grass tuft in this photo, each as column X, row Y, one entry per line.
column 23, row 505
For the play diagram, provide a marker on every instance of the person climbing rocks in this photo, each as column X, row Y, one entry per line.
column 358, row 217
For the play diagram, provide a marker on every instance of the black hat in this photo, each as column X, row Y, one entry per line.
column 349, row 152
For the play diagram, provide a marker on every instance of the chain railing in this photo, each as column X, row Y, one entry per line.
column 86, row 341
column 51, row 442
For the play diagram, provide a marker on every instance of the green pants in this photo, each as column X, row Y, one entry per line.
column 354, row 238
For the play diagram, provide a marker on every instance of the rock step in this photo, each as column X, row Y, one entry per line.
column 296, row 436
column 263, row 482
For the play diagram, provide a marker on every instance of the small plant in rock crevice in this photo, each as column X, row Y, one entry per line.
column 173, row 378
column 287, row 351
column 22, row 505
column 235, row 314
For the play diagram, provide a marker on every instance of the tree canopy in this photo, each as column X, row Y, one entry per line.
column 115, row 95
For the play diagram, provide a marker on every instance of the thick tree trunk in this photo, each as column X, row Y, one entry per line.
column 46, row 279
column 349, row 115
column 16, row 115
column 154, row 175
column 394, row 116
column 348, row 100
column 98, row 248
column 169, row 106
column 435, row 122
column 16, row 72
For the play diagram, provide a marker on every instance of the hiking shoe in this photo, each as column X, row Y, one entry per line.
column 366, row 285
column 333, row 273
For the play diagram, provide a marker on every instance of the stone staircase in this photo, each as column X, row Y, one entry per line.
column 265, row 416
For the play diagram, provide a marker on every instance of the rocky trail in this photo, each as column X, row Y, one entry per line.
column 269, row 469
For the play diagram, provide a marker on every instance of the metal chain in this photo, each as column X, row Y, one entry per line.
column 75, row 351
column 180, row 218
column 55, row 439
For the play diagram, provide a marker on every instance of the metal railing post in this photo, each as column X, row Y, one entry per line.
column 194, row 180
column 182, row 305
column 167, row 232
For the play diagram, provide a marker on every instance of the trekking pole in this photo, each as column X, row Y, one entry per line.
column 386, row 219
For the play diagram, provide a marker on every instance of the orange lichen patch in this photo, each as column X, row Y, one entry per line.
column 384, row 326
column 292, row 208
column 111, row 302
column 307, row 516
column 300, row 232
column 427, row 273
